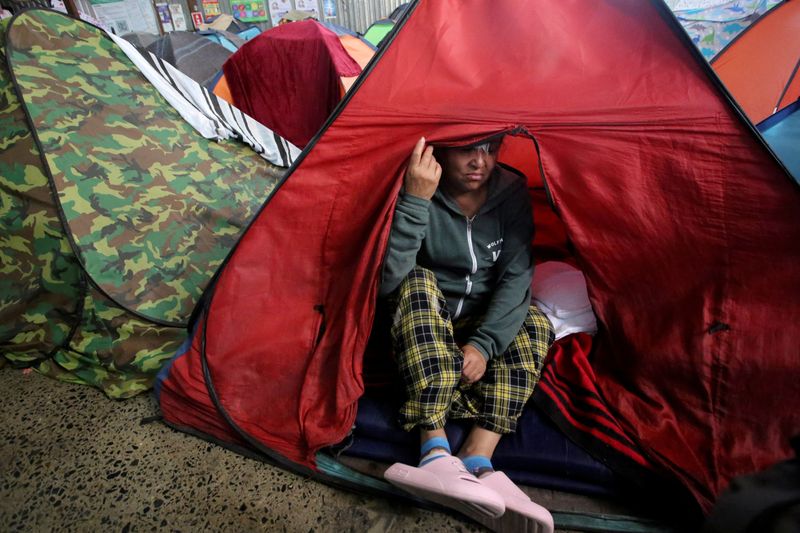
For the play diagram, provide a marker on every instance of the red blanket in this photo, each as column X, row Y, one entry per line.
column 288, row 78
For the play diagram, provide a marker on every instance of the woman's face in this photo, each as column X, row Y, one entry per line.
column 467, row 169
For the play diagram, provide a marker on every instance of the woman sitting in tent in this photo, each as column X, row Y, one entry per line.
column 467, row 341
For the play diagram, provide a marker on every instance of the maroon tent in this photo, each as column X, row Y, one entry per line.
column 683, row 223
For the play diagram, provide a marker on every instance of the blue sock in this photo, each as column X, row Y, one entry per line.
column 433, row 448
column 478, row 464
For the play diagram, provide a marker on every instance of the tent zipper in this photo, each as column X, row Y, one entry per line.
column 474, row 269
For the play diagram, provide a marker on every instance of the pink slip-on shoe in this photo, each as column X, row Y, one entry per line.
column 447, row 482
column 522, row 515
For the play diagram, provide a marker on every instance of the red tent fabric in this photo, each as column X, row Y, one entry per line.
column 288, row 78
column 683, row 223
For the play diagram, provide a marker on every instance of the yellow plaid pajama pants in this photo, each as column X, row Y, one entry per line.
column 429, row 359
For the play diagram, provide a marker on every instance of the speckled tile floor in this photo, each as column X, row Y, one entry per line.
column 73, row 460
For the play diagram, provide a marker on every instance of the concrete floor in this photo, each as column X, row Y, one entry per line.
column 73, row 460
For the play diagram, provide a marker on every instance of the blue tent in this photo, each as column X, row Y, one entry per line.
column 229, row 41
column 782, row 133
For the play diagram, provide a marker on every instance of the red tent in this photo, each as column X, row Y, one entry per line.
column 683, row 223
column 761, row 67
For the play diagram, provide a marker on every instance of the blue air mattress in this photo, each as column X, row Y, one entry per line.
column 538, row 454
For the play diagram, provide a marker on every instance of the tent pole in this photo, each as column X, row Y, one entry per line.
column 72, row 9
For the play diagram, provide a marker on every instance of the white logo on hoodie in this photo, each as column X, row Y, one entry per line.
column 495, row 253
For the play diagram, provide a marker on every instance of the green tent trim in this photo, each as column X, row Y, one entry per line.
column 378, row 31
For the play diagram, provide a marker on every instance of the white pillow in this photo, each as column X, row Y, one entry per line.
column 559, row 290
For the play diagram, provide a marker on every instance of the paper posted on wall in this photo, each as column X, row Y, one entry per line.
column 178, row 18
column 309, row 6
column 124, row 16
column 278, row 10
column 164, row 16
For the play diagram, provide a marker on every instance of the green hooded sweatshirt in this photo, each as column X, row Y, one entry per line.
column 483, row 265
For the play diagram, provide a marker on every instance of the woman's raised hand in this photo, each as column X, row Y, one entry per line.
column 423, row 172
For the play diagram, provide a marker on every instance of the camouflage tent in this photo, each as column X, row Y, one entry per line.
column 114, row 212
